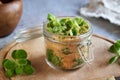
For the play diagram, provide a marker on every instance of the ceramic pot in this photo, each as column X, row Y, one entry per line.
column 10, row 13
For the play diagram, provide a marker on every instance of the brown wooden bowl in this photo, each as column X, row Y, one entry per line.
column 10, row 13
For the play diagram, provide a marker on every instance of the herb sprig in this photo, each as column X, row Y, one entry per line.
column 18, row 65
column 67, row 26
column 115, row 48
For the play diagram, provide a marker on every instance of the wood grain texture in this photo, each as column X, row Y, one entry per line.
column 105, row 78
column 36, row 53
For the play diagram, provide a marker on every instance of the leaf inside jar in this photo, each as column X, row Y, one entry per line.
column 66, row 51
column 78, row 62
column 53, row 58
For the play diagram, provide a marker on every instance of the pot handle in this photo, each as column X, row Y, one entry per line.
column 86, row 51
column 29, row 34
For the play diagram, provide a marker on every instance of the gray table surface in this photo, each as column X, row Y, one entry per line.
column 35, row 12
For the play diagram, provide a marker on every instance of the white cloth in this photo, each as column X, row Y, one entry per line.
column 96, row 8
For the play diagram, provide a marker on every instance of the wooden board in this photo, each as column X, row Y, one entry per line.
column 36, row 53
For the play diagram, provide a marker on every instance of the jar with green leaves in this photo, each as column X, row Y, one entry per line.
column 67, row 42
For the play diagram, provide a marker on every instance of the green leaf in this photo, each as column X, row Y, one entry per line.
column 113, row 59
column 22, row 61
column 118, row 41
column 75, row 24
column 13, row 54
column 52, row 58
column 112, row 49
column 55, row 60
column 50, row 29
column 81, row 21
column 49, row 54
column 70, row 33
column 66, row 51
column 63, row 21
column 28, row 62
column 115, row 48
column 9, row 73
column 50, row 17
column 75, row 31
column 21, row 54
column 55, row 29
column 78, row 62
column 28, row 69
column 69, row 23
column 4, row 62
column 56, row 23
column 19, row 70
column 9, row 64
column 78, row 19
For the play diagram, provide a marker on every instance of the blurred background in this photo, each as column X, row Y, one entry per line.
column 35, row 13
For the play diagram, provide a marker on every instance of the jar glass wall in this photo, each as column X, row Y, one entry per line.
column 67, row 52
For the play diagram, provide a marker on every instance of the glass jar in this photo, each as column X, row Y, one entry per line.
column 62, row 52
column 67, row 52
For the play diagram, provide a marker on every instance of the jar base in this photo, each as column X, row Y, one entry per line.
column 64, row 69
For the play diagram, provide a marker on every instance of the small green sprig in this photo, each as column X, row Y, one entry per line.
column 18, row 65
column 115, row 48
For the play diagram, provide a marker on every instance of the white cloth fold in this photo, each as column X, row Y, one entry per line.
column 96, row 8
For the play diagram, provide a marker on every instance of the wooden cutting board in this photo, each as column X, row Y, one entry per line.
column 36, row 53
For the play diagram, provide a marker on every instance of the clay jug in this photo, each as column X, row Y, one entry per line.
column 10, row 13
